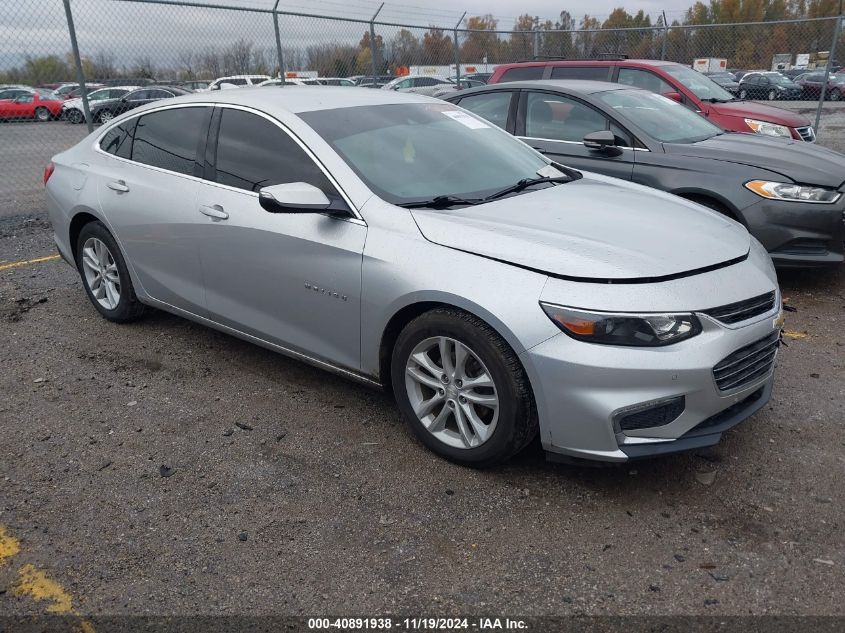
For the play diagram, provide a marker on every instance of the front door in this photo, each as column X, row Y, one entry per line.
column 293, row 279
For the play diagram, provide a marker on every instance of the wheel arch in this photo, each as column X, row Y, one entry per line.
column 711, row 200
column 79, row 220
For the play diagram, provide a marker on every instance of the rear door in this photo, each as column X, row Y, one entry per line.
column 556, row 124
column 293, row 279
column 147, row 186
column 497, row 106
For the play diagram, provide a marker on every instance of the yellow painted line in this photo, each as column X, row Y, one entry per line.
column 27, row 262
column 792, row 334
column 9, row 545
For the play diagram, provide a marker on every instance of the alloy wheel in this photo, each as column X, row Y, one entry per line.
column 743, row 94
column 101, row 274
column 74, row 116
column 106, row 116
column 42, row 114
column 771, row 95
column 452, row 392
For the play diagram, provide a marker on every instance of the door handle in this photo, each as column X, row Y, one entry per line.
column 118, row 185
column 215, row 211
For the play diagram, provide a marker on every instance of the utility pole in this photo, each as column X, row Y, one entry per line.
column 279, row 46
column 373, row 42
column 80, row 74
column 458, row 50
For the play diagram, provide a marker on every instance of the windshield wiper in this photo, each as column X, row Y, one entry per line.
column 441, row 202
column 525, row 183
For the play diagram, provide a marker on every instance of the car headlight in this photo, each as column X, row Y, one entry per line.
column 768, row 129
column 633, row 330
column 792, row 192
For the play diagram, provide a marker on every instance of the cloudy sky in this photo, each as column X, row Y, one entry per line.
column 131, row 30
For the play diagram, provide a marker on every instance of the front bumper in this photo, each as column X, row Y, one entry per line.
column 582, row 390
column 798, row 234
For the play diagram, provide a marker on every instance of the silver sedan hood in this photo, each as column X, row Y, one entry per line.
column 596, row 228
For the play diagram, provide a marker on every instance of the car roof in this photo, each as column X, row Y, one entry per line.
column 592, row 62
column 295, row 101
column 584, row 86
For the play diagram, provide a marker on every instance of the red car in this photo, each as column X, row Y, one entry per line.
column 675, row 81
column 42, row 105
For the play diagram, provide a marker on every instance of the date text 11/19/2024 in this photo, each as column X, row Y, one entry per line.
column 417, row 624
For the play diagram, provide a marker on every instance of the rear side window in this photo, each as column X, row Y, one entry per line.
column 523, row 73
column 644, row 79
column 118, row 140
column 253, row 153
column 493, row 106
column 170, row 139
column 593, row 73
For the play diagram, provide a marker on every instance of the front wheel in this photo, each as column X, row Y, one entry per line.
column 105, row 116
column 743, row 94
column 75, row 116
column 42, row 114
column 835, row 95
column 105, row 275
column 462, row 389
column 771, row 96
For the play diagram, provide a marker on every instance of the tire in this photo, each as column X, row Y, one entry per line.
column 835, row 95
column 743, row 94
column 74, row 116
column 772, row 95
column 126, row 307
column 43, row 114
column 104, row 116
column 506, row 428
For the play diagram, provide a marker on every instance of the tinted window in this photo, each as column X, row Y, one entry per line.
column 253, row 153
column 523, row 73
column 560, row 118
column 428, row 81
column 169, row 139
column 138, row 95
column 643, row 79
column 492, row 106
column 235, row 81
column 580, row 72
column 118, row 140
column 159, row 94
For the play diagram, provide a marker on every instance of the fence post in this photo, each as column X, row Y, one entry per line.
column 279, row 54
column 831, row 56
column 536, row 44
column 665, row 37
column 80, row 74
column 458, row 51
column 373, row 42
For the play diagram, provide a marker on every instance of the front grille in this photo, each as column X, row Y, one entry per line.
column 726, row 414
column 807, row 133
column 747, row 364
column 743, row 310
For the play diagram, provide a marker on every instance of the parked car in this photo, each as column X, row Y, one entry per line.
column 768, row 85
column 194, row 85
column 490, row 288
column 237, row 81
column 678, row 82
column 725, row 80
column 129, row 81
column 336, row 81
column 454, row 86
column 77, row 92
column 131, row 100
column 64, row 89
column 12, row 91
column 417, row 84
column 98, row 101
column 360, row 80
column 794, row 73
column 785, row 192
column 811, row 85
column 39, row 104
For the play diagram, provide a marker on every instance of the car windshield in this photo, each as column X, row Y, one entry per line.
column 837, row 79
column 700, row 85
column 99, row 94
column 46, row 94
column 726, row 76
column 413, row 152
column 777, row 78
column 661, row 118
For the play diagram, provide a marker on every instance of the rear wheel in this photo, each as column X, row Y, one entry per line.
column 743, row 94
column 771, row 96
column 42, row 114
column 835, row 95
column 105, row 275
column 461, row 388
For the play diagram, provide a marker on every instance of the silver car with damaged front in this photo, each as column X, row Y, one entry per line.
column 403, row 242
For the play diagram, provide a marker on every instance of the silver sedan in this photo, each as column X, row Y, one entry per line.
column 406, row 243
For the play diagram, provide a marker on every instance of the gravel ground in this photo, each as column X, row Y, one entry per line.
column 164, row 468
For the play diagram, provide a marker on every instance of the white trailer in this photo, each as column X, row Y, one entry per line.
column 710, row 64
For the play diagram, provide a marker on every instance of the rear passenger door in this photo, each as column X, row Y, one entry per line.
column 498, row 107
column 556, row 124
column 293, row 279
column 148, row 183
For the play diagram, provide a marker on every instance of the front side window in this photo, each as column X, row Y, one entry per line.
column 118, row 140
column 661, row 118
column 169, row 139
column 138, row 95
column 413, row 152
column 253, row 153
column 701, row 86
column 492, row 106
column 644, row 79
column 560, row 118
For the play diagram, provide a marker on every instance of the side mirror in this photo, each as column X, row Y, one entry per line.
column 293, row 197
column 602, row 141
column 674, row 96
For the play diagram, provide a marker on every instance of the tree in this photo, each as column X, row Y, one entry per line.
column 405, row 49
column 438, row 48
column 482, row 42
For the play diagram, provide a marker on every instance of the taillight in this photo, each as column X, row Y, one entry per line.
column 48, row 171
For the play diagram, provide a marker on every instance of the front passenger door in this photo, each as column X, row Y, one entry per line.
column 556, row 125
column 293, row 279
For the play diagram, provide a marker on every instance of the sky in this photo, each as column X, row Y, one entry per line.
column 131, row 30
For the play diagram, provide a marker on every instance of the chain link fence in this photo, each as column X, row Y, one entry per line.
column 49, row 49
